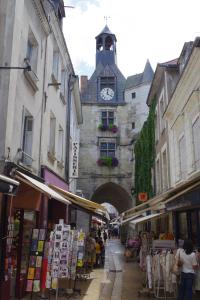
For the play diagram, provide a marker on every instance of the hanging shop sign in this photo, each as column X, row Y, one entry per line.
column 142, row 197
column 75, row 151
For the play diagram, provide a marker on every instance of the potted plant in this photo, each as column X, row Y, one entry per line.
column 102, row 127
column 108, row 161
column 113, row 128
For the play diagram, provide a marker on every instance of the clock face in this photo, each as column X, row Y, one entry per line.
column 107, row 94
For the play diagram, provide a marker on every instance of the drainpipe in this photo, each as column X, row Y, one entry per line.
column 44, row 99
column 71, row 80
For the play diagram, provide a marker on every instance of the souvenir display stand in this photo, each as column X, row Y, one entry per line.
column 82, row 270
column 35, row 261
column 62, row 258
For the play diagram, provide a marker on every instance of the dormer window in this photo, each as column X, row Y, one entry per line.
column 133, row 95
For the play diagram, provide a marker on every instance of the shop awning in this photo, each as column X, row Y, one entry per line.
column 41, row 187
column 82, row 202
column 8, row 180
column 157, row 202
column 146, row 218
column 124, row 221
column 8, row 185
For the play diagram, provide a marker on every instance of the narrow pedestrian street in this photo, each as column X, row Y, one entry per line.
column 119, row 280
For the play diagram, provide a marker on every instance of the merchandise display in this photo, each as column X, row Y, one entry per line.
column 81, row 249
column 62, row 254
column 35, row 260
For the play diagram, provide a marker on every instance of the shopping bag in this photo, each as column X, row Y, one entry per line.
column 127, row 253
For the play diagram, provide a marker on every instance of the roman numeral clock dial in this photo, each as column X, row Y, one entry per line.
column 107, row 94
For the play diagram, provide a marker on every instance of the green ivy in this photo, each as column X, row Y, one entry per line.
column 145, row 155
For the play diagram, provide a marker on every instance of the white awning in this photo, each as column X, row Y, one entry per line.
column 135, row 216
column 145, row 218
column 8, row 180
column 43, row 188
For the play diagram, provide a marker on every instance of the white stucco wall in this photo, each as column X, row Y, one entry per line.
column 183, row 108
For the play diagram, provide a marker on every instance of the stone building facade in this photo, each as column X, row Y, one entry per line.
column 114, row 110
column 40, row 109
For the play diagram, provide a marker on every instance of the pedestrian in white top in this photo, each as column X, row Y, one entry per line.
column 189, row 263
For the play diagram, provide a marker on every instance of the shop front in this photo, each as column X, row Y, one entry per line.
column 81, row 210
column 55, row 210
column 186, row 216
column 8, row 189
column 24, row 214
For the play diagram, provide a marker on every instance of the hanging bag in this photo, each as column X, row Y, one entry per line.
column 176, row 269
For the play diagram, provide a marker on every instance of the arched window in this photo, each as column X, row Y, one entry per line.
column 109, row 43
column 100, row 44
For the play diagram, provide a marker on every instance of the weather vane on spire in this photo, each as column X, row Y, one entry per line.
column 106, row 19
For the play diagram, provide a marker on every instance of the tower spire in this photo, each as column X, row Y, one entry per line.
column 106, row 19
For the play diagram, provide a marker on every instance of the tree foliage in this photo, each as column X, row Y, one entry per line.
column 145, row 155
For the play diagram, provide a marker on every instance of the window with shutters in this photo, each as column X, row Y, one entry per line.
column 60, row 144
column 52, row 134
column 158, row 176
column 196, row 142
column 55, row 65
column 182, row 157
column 162, row 109
column 63, row 85
column 32, row 51
column 164, row 171
column 27, row 140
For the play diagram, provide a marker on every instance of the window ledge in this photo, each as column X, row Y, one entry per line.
column 32, row 79
column 55, row 81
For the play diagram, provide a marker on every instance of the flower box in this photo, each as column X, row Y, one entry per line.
column 108, row 161
column 113, row 128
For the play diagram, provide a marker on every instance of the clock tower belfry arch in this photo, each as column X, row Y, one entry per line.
column 107, row 83
column 106, row 48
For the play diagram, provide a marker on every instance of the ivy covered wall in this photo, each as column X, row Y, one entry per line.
column 145, row 155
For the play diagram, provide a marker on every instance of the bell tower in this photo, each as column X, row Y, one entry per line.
column 106, row 48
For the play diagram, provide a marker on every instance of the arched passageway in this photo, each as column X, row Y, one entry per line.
column 114, row 194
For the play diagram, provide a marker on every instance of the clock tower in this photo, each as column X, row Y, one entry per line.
column 114, row 109
column 107, row 84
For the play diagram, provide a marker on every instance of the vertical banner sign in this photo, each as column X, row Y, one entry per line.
column 75, row 152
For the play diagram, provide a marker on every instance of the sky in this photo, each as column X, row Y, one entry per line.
column 145, row 29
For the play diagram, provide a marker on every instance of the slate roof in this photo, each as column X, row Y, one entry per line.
column 141, row 78
column 106, row 30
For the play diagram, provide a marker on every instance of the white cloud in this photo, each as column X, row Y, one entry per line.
column 144, row 29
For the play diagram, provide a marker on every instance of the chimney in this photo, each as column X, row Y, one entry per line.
column 84, row 83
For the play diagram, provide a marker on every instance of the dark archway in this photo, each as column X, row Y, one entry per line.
column 114, row 194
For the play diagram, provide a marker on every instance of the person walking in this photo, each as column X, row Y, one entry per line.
column 102, row 255
column 99, row 232
column 98, row 252
column 105, row 236
column 188, row 261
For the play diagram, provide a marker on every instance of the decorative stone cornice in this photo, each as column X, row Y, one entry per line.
column 41, row 14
